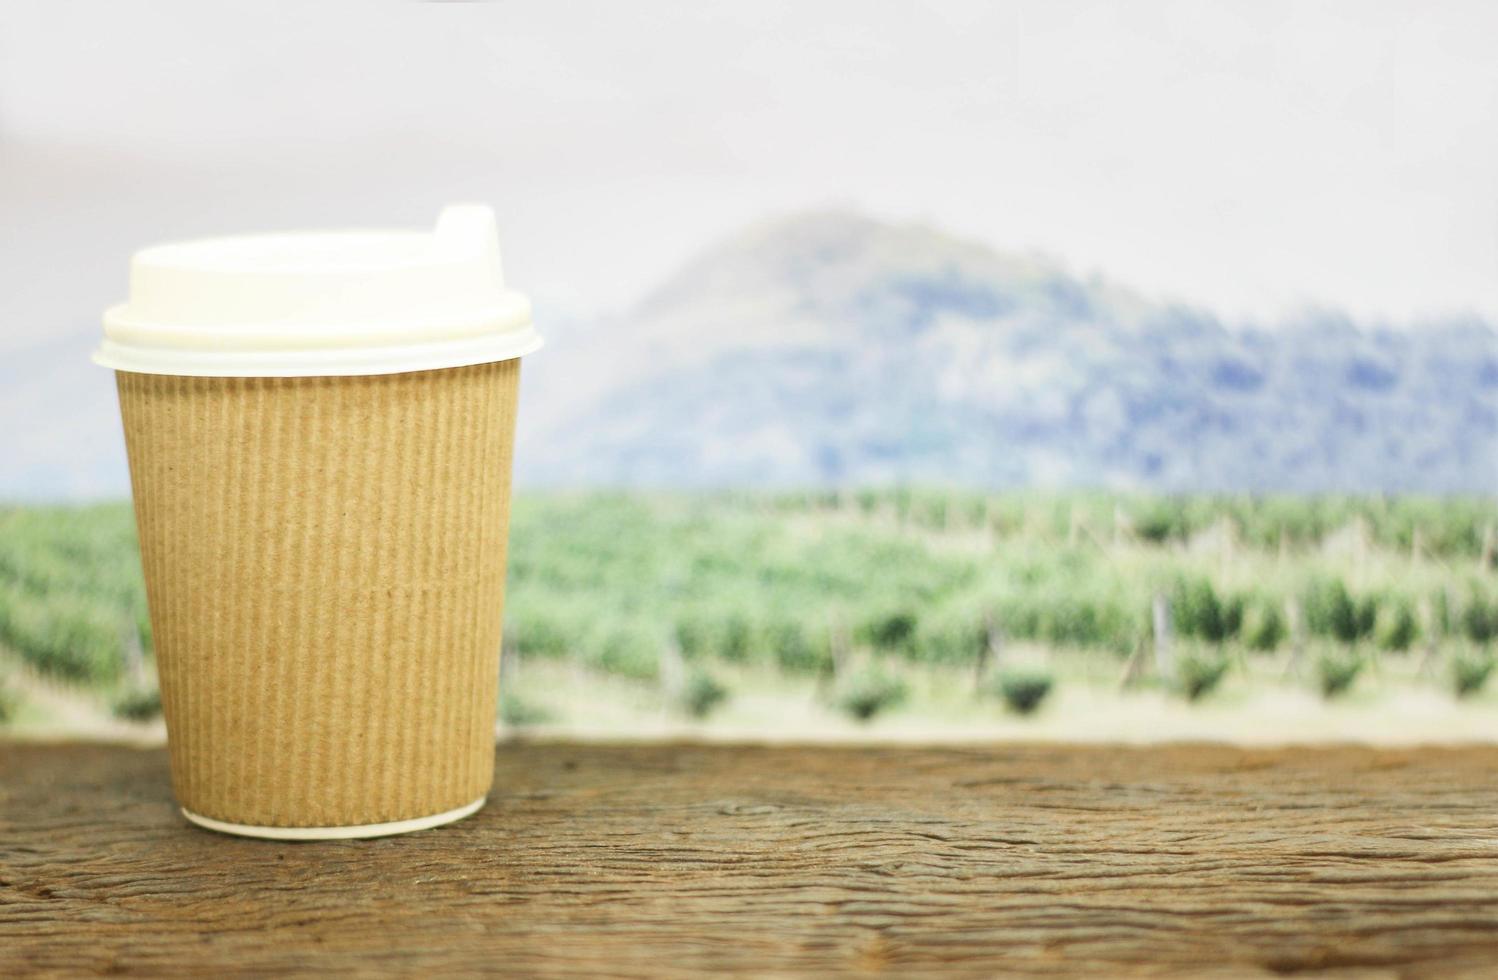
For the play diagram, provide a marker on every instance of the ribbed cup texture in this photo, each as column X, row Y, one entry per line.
column 325, row 563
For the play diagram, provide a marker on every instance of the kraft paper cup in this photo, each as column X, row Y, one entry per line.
column 324, row 553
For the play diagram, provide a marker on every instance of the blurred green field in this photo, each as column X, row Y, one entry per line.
column 876, row 599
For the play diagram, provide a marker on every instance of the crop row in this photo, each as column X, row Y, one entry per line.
column 1441, row 527
column 615, row 579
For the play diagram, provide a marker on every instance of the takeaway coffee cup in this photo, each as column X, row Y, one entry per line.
column 319, row 429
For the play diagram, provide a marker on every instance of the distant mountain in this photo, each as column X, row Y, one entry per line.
column 830, row 348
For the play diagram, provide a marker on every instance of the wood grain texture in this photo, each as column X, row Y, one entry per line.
column 674, row 859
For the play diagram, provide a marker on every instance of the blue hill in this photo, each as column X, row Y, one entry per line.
column 829, row 348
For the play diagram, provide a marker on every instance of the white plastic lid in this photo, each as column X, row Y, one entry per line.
column 321, row 303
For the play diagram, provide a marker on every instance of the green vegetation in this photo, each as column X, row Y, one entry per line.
column 71, row 594
column 519, row 712
column 703, row 693
column 904, row 579
column 868, row 693
column 1470, row 671
column 1336, row 670
column 1024, row 690
column 1264, row 627
column 1395, row 627
column 10, row 703
column 1200, row 674
column 137, row 705
column 916, row 576
column 1332, row 611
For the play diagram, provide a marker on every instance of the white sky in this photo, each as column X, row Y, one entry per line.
column 1252, row 156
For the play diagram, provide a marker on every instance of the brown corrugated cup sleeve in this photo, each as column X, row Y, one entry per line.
column 325, row 567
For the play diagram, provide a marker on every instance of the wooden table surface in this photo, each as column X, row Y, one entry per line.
column 652, row 860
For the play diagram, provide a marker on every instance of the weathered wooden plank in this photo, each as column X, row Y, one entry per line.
column 673, row 859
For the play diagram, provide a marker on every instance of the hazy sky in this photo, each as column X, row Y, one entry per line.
column 1253, row 156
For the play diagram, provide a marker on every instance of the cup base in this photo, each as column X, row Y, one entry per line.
column 337, row 833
